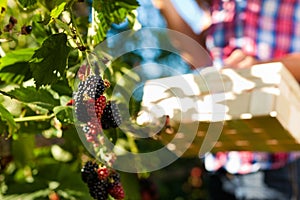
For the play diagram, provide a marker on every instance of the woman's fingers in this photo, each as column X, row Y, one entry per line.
column 238, row 59
column 235, row 58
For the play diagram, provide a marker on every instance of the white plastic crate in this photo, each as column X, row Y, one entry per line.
column 260, row 105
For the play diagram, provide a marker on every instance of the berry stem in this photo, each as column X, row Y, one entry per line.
column 82, row 43
column 34, row 118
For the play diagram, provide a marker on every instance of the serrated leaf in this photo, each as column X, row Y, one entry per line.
column 62, row 88
column 16, row 73
column 27, row 3
column 49, row 61
column 7, row 116
column 21, row 55
column 109, row 12
column 41, row 97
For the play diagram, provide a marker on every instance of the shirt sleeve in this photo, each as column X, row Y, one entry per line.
column 191, row 13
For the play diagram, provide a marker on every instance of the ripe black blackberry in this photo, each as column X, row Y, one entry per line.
column 98, row 190
column 25, row 30
column 81, row 111
column 117, row 119
column 89, row 172
column 111, row 116
column 113, row 179
column 90, row 106
column 115, row 188
column 95, row 86
column 80, row 107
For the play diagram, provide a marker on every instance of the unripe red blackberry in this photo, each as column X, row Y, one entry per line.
column 103, row 173
column 100, row 104
column 117, row 191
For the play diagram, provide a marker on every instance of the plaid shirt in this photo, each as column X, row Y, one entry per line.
column 264, row 29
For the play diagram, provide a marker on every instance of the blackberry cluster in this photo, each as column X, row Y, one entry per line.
column 102, row 182
column 92, row 108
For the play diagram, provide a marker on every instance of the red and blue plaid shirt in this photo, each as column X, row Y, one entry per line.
column 265, row 29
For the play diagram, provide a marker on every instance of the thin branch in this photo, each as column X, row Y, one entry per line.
column 34, row 118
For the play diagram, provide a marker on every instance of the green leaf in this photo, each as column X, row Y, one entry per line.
column 7, row 116
column 109, row 12
column 27, row 3
column 55, row 12
column 63, row 25
column 41, row 97
column 16, row 73
column 64, row 114
column 49, row 62
column 62, row 88
column 21, row 55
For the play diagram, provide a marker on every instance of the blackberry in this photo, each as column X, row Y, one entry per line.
column 113, row 179
column 81, row 111
column 80, row 107
column 116, row 120
column 90, row 105
column 98, row 190
column 95, row 86
column 91, row 130
column 117, row 191
column 81, row 87
column 111, row 116
column 104, row 123
column 89, row 173
column 103, row 173
column 25, row 30
column 94, row 126
column 100, row 88
column 100, row 104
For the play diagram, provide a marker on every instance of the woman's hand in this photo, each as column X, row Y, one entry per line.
column 238, row 59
